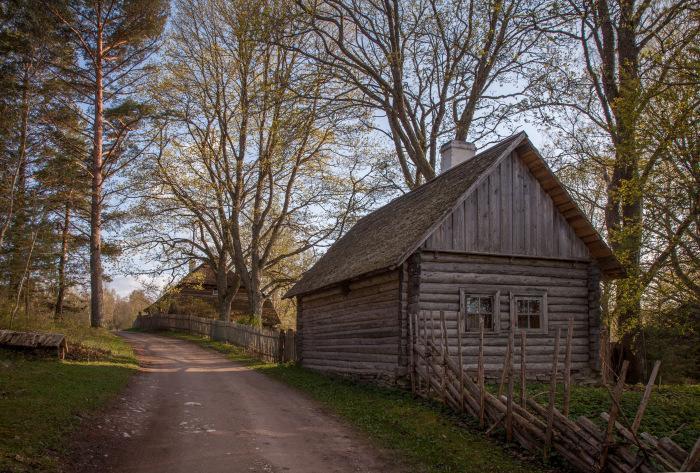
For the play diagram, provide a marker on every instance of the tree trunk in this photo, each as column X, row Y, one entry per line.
column 256, row 301
column 623, row 215
column 96, row 316
column 226, row 294
column 58, row 310
column 19, row 220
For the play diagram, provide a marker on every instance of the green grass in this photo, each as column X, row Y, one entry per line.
column 673, row 411
column 43, row 400
column 426, row 436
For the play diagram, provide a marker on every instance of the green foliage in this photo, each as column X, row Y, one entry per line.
column 671, row 412
column 43, row 400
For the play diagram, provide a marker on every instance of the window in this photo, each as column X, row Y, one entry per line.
column 475, row 306
column 529, row 311
column 215, row 292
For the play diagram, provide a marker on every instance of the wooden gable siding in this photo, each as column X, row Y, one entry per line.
column 354, row 329
column 509, row 213
column 569, row 294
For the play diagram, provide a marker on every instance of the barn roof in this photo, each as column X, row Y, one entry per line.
column 384, row 238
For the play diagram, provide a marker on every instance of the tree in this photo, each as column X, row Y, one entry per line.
column 430, row 69
column 254, row 169
column 116, row 39
column 628, row 50
column 30, row 39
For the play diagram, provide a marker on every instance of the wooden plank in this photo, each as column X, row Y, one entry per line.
column 506, row 213
column 693, row 458
column 411, row 351
column 614, row 411
column 511, row 382
column 552, row 396
column 482, row 193
column 645, row 397
column 523, row 368
column 567, row 367
column 494, row 212
column 482, row 388
column 460, row 348
column 444, row 354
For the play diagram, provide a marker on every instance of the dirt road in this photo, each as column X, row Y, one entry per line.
column 192, row 410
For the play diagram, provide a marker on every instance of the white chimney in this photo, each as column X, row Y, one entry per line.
column 454, row 153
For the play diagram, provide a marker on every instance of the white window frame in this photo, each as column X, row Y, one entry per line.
column 530, row 293
column 465, row 292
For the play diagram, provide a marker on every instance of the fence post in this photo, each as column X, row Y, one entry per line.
column 281, row 339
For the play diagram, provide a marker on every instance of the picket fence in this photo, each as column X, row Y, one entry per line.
column 273, row 345
column 618, row 447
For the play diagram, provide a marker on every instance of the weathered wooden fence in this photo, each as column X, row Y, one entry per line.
column 619, row 447
column 268, row 344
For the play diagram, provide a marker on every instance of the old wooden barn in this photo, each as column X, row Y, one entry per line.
column 495, row 235
column 196, row 294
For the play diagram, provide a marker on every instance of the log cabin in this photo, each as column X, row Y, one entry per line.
column 494, row 236
column 196, row 294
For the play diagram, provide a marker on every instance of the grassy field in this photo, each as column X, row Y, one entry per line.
column 397, row 420
column 42, row 400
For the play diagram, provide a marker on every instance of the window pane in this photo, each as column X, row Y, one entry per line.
column 473, row 305
column 521, row 306
column 472, row 322
column 488, row 322
column 535, row 321
column 534, row 306
column 486, row 305
column 522, row 321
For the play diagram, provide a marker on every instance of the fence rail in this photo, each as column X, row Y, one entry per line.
column 619, row 447
column 268, row 344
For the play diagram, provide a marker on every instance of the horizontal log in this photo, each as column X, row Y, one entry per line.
column 502, row 268
column 453, row 288
column 340, row 365
column 356, row 341
column 353, row 286
column 431, row 255
column 351, row 357
column 501, row 279
column 388, row 349
column 370, row 294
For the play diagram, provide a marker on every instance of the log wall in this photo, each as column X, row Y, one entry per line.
column 509, row 213
column 569, row 294
column 355, row 329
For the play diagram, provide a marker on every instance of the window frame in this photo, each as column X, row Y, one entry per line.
column 530, row 294
column 465, row 292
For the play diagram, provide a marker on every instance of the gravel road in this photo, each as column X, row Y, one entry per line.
column 192, row 410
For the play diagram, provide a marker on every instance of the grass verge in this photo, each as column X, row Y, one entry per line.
column 42, row 400
column 427, row 437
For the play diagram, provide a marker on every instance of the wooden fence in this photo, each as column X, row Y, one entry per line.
column 268, row 344
column 618, row 447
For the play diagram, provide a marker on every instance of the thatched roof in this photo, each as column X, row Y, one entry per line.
column 386, row 237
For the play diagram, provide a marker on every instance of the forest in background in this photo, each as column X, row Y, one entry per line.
column 137, row 136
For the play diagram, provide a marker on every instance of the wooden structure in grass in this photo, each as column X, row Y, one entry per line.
column 53, row 343
column 496, row 237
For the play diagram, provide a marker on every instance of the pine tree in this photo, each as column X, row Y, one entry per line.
column 115, row 40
